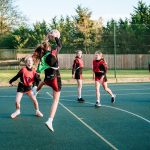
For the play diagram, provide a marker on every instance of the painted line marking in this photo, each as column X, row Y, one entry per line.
column 49, row 94
column 131, row 113
column 115, row 94
column 85, row 124
column 116, row 90
column 123, row 110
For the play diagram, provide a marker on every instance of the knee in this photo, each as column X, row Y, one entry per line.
column 80, row 87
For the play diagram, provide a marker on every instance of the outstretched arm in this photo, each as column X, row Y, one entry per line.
column 16, row 77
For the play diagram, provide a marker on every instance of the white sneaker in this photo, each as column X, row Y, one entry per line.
column 49, row 125
column 113, row 99
column 15, row 114
column 38, row 113
column 98, row 104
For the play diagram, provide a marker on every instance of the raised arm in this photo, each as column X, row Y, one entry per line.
column 59, row 45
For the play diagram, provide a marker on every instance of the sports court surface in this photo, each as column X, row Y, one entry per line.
column 124, row 125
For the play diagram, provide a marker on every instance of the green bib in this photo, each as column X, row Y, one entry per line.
column 43, row 65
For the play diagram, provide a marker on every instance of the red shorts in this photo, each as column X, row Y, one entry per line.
column 54, row 83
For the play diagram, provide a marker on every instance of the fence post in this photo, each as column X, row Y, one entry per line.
column 115, row 74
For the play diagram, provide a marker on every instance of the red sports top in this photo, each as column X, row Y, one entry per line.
column 77, row 64
column 27, row 76
column 100, row 65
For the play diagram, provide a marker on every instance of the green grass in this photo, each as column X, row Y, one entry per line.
column 6, row 75
column 87, row 74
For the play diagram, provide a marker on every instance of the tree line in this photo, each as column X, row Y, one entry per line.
column 129, row 36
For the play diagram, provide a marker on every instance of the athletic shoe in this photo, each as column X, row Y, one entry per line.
column 38, row 113
column 98, row 104
column 80, row 100
column 15, row 114
column 113, row 99
column 49, row 125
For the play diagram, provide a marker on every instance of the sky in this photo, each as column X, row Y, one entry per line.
column 38, row 10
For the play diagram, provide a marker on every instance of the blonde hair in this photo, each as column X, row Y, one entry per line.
column 78, row 51
column 27, row 58
column 98, row 52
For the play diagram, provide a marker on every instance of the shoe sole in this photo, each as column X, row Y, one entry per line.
column 38, row 115
column 114, row 100
column 80, row 101
column 49, row 127
column 97, row 106
column 14, row 116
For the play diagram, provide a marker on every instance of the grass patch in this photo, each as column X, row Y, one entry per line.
column 6, row 75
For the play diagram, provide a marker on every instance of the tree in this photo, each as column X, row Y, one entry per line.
column 132, row 35
column 140, row 23
column 37, row 35
column 21, row 37
column 10, row 17
column 85, row 28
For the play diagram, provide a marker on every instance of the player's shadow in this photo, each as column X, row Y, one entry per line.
column 78, row 105
column 5, row 116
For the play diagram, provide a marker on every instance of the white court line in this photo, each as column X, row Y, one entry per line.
column 49, row 94
column 7, row 96
column 133, row 114
column 115, row 94
column 123, row 110
column 116, row 90
column 93, row 84
column 89, row 127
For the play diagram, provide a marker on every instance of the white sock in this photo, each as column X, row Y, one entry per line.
column 18, row 110
column 79, row 97
column 98, row 100
column 50, row 119
column 37, row 110
column 113, row 95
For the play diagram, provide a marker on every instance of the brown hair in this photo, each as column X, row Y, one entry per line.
column 46, row 45
column 38, row 52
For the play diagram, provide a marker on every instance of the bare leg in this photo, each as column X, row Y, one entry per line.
column 33, row 98
column 53, row 109
column 97, row 88
column 56, row 96
column 40, row 86
column 36, row 105
column 79, row 82
column 104, row 84
column 18, row 100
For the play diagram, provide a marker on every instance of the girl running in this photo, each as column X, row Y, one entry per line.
column 77, row 73
column 27, row 76
column 49, row 64
column 99, row 73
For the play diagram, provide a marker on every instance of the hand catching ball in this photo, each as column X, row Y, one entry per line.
column 55, row 33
